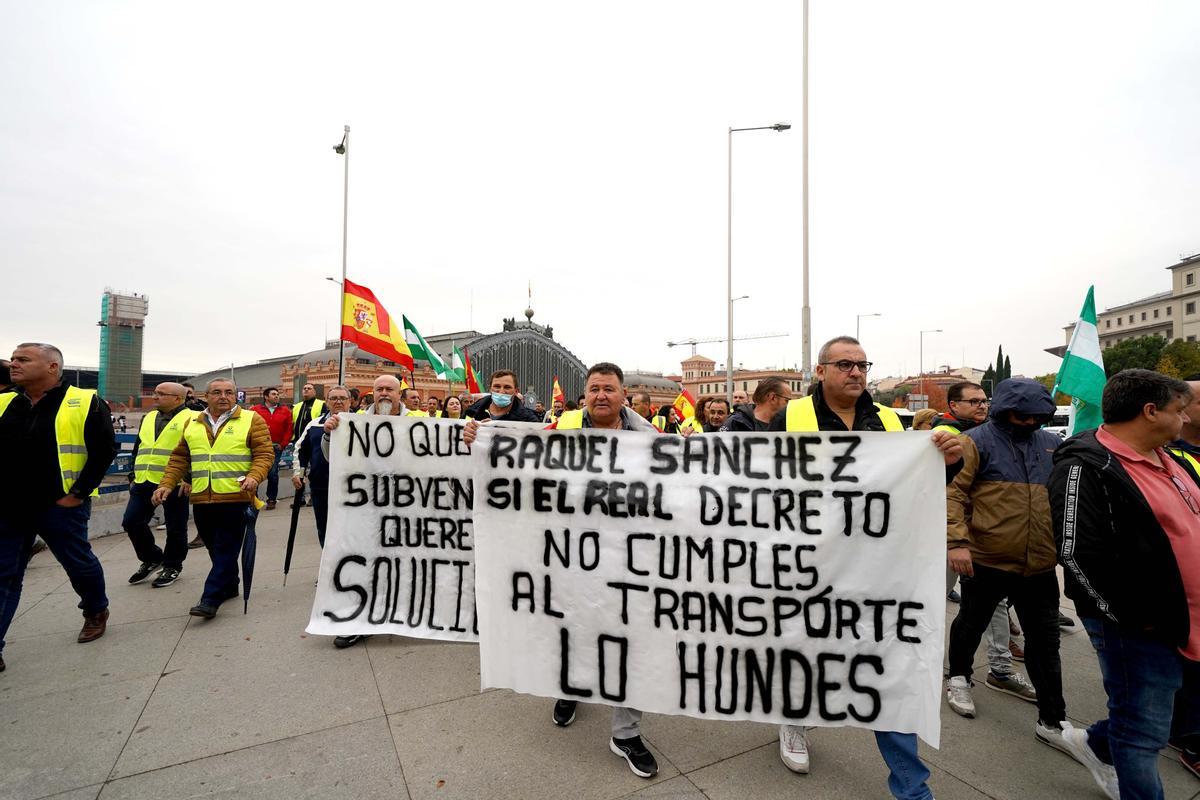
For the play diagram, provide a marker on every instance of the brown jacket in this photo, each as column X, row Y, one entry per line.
column 262, row 455
column 1000, row 511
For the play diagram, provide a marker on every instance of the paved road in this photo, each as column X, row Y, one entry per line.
column 250, row 706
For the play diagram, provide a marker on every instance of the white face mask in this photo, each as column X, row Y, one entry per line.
column 383, row 407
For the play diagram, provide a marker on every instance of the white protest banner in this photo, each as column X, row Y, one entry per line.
column 399, row 551
column 785, row 578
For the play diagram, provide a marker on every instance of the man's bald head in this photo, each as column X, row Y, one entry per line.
column 387, row 395
column 169, row 396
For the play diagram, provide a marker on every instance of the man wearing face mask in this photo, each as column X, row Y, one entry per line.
column 502, row 402
column 1001, row 542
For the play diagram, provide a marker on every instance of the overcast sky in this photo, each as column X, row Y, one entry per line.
column 974, row 167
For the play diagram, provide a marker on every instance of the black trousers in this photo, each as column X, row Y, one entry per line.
column 1035, row 599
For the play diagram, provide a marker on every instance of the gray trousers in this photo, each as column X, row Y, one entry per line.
column 998, row 655
column 626, row 722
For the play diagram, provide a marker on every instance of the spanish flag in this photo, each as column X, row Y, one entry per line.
column 470, row 376
column 366, row 323
column 685, row 405
column 556, row 395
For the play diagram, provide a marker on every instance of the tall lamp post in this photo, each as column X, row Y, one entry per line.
column 858, row 323
column 921, row 364
column 778, row 126
column 343, row 149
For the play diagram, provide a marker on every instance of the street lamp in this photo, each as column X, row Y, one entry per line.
column 343, row 149
column 921, row 364
column 779, row 127
column 858, row 322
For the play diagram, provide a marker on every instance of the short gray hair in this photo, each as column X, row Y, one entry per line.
column 333, row 388
column 209, row 385
column 823, row 353
column 51, row 352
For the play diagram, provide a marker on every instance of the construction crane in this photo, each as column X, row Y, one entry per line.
column 693, row 341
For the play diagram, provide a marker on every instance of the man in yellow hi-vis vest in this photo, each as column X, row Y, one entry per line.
column 158, row 436
column 1187, row 446
column 309, row 408
column 840, row 402
column 56, row 443
column 228, row 451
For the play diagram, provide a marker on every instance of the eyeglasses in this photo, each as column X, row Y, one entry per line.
column 1186, row 495
column 846, row 365
column 976, row 403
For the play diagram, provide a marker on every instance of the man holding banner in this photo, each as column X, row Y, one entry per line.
column 502, row 402
column 604, row 397
column 841, row 402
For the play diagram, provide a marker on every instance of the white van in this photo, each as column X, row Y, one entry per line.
column 1064, row 418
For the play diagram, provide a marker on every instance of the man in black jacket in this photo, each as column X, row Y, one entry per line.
column 1127, row 524
column 502, row 403
column 770, row 397
column 56, row 443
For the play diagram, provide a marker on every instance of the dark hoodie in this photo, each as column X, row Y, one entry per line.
column 742, row 420
column 998, row 505
column 1116, row 558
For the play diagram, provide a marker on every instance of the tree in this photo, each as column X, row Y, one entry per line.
column 1142, row 352
column 1184, row 355
column 999, row 363
column 1166, row 365
column 989, row 380
column 889, row 398
column 1007, row 368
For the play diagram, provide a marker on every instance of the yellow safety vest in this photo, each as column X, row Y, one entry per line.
column 417, row 414
column 694, row 423
column 317, row 407
column 802, row 416
column 68, row 432
column 1191, row 459
column 569, row 420
column 225, row 460
column 948, row 429
column 153, row 454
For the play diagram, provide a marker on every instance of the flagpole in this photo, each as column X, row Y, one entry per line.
column 344, row 150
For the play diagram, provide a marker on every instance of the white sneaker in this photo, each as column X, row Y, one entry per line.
column 793, row 748
column 1053, row 736
column 958, row 695
column 1105, row 775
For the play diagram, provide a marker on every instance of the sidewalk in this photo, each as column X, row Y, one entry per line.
column 252, row 707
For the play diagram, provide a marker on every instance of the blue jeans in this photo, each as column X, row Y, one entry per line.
column 1141, row 676
column 221, row 526
column 273, row 476
column 65, row 532
column 908, row 772
column 138, row 513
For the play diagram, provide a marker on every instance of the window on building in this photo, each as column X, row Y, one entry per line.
column 1156, row 313
column 1191, row 338
column 1143, row 316
column 1131, row 319
column 1189, row 279
column 1190, row 308
column 1169, row 310
column 1118, row 322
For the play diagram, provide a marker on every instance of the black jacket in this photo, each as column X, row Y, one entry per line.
column 1117, row 559
column 517, row 412
column 742, row 420
column 29, row 471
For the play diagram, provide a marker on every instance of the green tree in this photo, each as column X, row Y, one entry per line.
column 1142, row 352
column 1007, row 368
column 999, row 363
column 1166, row 365
column 989, row 380
column 1184, row 355
column 1049, row 380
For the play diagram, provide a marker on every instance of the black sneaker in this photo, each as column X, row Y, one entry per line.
column 196, row 543
column 342, row 642
column 640, row 762
column 144, row 571
column 564, row 712
column 165, row 578
column 203, row 610
column 1064, row 621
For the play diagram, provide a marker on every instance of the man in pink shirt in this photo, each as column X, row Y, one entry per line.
column 1127, row 523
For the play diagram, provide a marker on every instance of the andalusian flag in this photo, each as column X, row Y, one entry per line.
column 366, row 323
column 685, row 405
column 556, row 395
column 1081, row 374
column 422, row 351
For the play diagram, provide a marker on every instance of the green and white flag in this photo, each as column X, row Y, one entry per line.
column 458, row 365
column 1082, row 372
column 422, row 351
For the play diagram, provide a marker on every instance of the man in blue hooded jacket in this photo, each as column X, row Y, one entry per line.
column 1001, row 541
